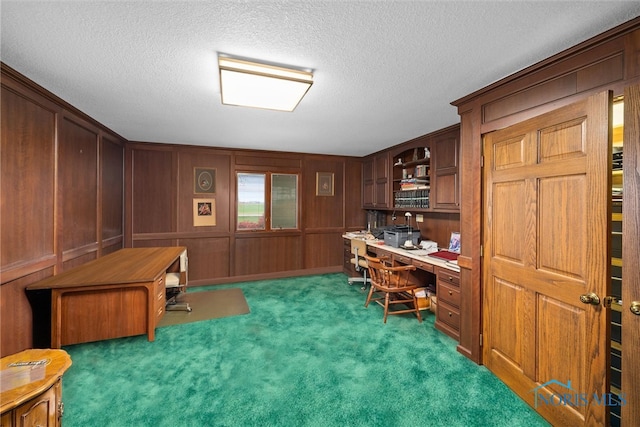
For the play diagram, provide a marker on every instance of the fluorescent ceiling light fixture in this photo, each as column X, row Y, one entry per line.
column 250, row 84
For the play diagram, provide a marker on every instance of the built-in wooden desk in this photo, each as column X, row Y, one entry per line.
column 118, row 295
column 419, row 258
column 447, row 278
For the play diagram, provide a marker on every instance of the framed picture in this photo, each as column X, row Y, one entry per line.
column 204, row 212
column 324, row 183
column 204, row 181
column 454, row 242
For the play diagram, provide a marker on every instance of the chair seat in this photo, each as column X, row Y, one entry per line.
column 172, row 280
column 392, row 286
column 361, row 262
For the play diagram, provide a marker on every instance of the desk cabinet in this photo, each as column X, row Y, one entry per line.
column 448, row 293
column 161, row 297
column 34, row 400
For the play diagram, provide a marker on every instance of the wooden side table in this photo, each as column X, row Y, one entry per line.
column 31, row 387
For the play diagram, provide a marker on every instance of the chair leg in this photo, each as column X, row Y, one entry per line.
column 386, row 306
column 415, row 304
column 366, row 303
column 364, row 284
column 352, row 280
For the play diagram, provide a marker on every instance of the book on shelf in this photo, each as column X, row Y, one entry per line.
column 413, row 187
column 418, row 198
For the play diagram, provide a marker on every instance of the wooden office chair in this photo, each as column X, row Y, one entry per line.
column 393, row 286
column 359, row 250
column 176, row 286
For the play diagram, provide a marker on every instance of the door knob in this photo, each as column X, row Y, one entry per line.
column 590, row 298
column 635, row 307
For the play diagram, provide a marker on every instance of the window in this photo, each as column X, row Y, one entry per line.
column 259, row 193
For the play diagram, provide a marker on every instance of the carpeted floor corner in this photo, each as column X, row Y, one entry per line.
column 308, row 354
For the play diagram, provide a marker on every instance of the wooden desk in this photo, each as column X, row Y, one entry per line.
column 121, row 294
column 447, row 278
column 31, row 387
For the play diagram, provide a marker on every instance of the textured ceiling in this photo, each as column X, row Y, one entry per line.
column 385, row 71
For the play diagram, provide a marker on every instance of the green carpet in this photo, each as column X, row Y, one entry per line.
column 308, row 354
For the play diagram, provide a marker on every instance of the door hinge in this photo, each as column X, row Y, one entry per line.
column 480, row 340
column 481, row 161
column 481, row 250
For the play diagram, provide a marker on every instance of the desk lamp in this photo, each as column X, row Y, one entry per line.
column 409, row 242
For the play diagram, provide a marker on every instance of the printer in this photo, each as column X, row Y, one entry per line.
column 396, row 236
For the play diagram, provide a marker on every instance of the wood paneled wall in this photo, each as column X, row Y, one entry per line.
column 62, row 196
column 72, row 190
column 160, row 178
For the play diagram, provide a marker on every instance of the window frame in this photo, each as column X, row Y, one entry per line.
column 268, row 180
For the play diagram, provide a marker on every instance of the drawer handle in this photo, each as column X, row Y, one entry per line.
column 160, row 295
column 450, row 278
column 450, row 314
column 450, row 293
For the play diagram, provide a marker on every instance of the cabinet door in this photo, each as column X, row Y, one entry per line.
column 375, row 182
column 382, row 181
column 368, row 184
column 40, row 411
column 445, row 194
column 6, row 419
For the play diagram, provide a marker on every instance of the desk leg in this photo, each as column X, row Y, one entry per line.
column 151, row 311
column 56, row 318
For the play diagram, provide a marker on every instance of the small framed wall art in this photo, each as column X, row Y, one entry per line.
column 204, row 181
column 204, row 212
column 324, row 183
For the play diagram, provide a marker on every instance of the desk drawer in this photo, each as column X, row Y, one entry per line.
column 160, row 293
column 402, row 259
column 448, row 315
column 448, row 294
column 448, row 276
column 423, row 265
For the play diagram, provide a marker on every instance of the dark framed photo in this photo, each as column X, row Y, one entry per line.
column 204, row 181
column 324, row 183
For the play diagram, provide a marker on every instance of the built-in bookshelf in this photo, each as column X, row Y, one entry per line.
column 412, row 179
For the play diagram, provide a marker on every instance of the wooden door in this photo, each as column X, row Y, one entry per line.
column 631, row 257
column 546, row 243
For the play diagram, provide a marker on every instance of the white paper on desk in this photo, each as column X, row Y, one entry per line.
column 420, row 252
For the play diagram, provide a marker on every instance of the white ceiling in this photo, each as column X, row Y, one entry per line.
column 385, row 71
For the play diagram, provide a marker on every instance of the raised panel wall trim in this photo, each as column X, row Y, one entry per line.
column 78, row 252
column 35, row 98
column 60, row 104
column 22, row 269
column 266, row 276
column 267, row 234
column 598, row 73
column 578, row 56
column 327, row 230
column 540, row 94
column 112, row 241
column 265, row 161
column 179, row 235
